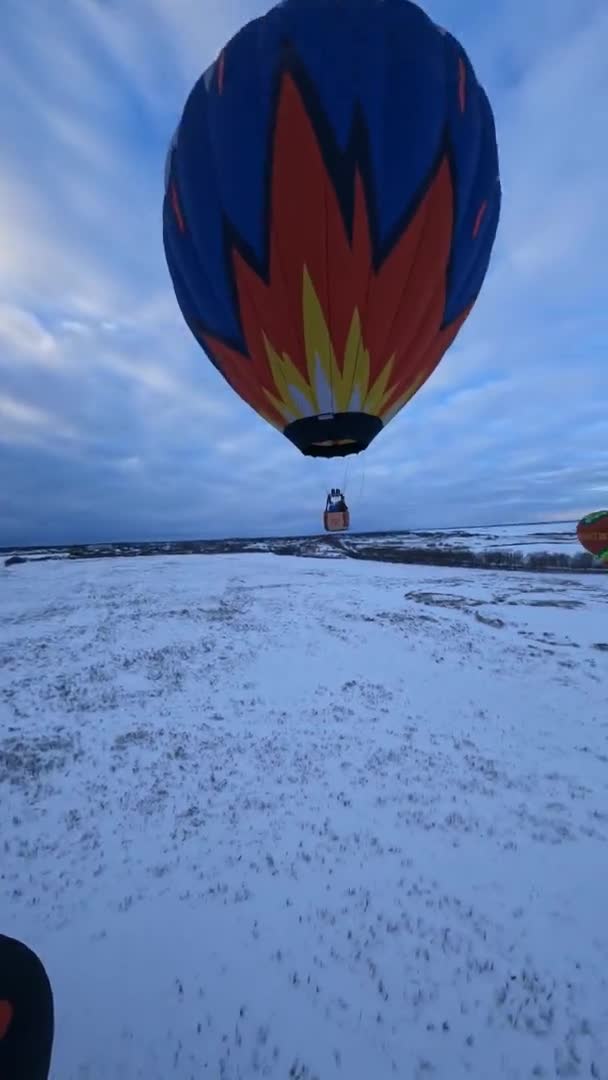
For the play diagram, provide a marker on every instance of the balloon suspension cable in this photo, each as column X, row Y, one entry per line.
column 361, row 484
column 346, row 475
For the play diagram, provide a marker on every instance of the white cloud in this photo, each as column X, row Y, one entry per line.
column 129, row 464
column 22, row 335
column 21, row 421
column 552, row 155
column 180, row 41
column 41, row 261
column 158, row 380
column 92, row 340
column 74, row 326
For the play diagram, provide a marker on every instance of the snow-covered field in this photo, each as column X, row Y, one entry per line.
column 560, row 537
column 289, row 818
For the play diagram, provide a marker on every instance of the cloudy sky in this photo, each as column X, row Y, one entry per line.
column 112, row 422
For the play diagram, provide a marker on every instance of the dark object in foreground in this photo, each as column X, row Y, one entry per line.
column 26, row 1013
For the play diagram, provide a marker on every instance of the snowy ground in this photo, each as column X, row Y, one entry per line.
column 528, row 539
column 288, row 818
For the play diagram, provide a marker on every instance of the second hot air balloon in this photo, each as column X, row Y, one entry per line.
column 592, row 533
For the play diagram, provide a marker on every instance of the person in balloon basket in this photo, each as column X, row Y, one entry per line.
column 336, row 502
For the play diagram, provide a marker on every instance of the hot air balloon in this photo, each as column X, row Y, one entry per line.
column 331, row 203
column 336, row 517
column 592, row 533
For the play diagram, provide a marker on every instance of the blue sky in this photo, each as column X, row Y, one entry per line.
column 112, row 422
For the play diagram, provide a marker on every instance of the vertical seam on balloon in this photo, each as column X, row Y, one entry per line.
column 471, row 270
column 269, row 179
column 363, row 312
column 205, row 274
column 425, row 223
column 270, row 144
column 432, row 176
column 479, row 218
column 368, row 211
column 361, row 335
column 462, row 84
column 463, row 197
column 406, row 285
column 179, row 217
column 328, row 295
column 174, row 245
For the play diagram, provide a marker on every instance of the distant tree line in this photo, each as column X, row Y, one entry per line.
column 346, row 547
column 481, row 560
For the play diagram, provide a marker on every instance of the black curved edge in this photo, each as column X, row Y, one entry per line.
column 26, row 1045
column 345, row 433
